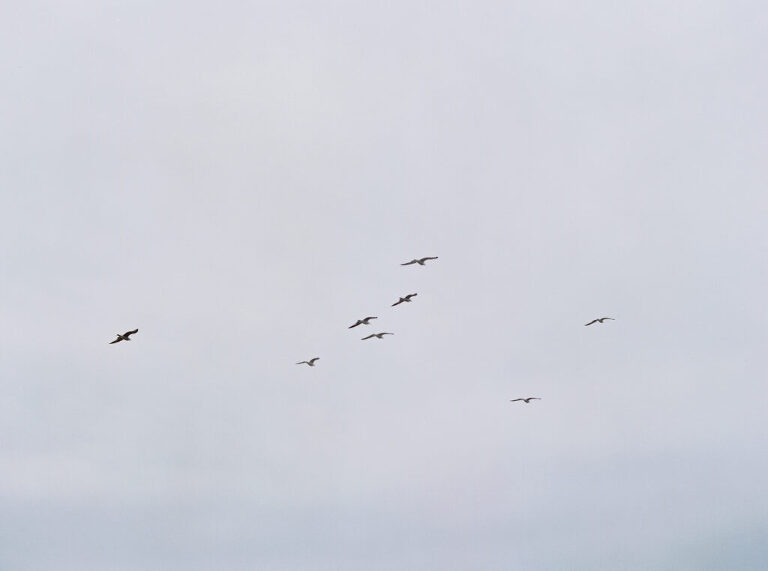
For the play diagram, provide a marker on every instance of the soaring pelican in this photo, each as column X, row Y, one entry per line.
column 363, row 321
column 419, row 261
column 406, row 299
column 377, row 335
column 124, row 337
column 599, row 320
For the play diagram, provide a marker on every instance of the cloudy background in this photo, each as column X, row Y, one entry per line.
column 241, row 181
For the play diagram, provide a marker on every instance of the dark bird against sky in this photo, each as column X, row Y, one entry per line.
column 363, row 321
column 377, row 335
column 599, row 320
column 406, row 299
column 419, row 261
column 526, row 400
column 311, row 362
column 124, row 337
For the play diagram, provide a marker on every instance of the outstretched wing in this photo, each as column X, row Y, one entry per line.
column 303, row 363
column 425, row 259
column 312, row 361
column 410, row 295
column 369, row 318
column 398, row 302
column 364, row 338
column 115, row 341
column 355, row 325
column 409, row 263
column 591, row 322
column 128, row 333
column 515, row 400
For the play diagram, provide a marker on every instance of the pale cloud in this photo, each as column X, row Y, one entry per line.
column 241, row 183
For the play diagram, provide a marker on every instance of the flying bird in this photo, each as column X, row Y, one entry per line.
column 419, row 261
column 311, row 362
column 363, row 321
column 526, row 400
column 377, row 335
column 406, row 299
column 124, row 337
column 599, row 320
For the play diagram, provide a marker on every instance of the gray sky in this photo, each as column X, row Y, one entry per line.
column 241, row 181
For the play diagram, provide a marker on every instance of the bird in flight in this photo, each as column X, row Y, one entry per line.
column 526, row 400
column 599, row 320
column 377, row 335
column 363, row 321
column 311, row 362
column 124, row 337
column 419, row 261
column 406, row 299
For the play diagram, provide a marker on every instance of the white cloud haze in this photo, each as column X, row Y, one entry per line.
column 241, row 182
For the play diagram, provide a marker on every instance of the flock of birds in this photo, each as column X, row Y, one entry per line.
column 367, row 321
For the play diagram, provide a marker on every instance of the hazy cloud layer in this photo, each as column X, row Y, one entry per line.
column 241, row 183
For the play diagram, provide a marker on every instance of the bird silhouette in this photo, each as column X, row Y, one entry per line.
column 599, row 320
column 419, row 261
column 377, row 335
column 124, row 337
column 526, row 400
column 406, row 299
column 311, row 362
column 363, row 321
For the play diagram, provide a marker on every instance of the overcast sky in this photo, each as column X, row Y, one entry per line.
column 241, row 182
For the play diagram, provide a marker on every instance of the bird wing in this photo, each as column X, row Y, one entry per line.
column 369, row 318
column 355, row 325
column 115, row 341
column 515, row 400
column 127, row 333
column 409, row 263
column 410, row 295
column 591, row 322
column 386, row 333
column 312, row 361
column 364, row 338
column 398, row 302
column 303, row 362
column 430, row 258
